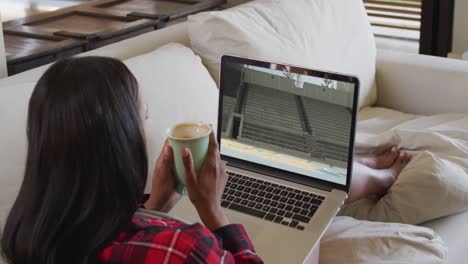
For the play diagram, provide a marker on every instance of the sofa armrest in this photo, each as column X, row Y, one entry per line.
column 421, row 84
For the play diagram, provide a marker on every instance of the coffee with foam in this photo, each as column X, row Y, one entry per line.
column 194, row 136
column 189, row 131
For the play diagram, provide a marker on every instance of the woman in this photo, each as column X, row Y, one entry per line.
column 86, row 172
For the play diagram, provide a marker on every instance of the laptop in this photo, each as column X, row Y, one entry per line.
column 286, row 134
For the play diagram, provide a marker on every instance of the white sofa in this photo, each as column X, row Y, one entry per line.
column 407, row 83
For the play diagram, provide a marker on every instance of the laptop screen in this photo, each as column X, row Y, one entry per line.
column 286, row 118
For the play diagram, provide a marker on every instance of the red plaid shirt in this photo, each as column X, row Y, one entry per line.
column 163, row 240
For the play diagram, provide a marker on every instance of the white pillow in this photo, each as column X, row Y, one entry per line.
column 177, row 88
column 330, row 35
column 428, row 188
column 354, row 242
column 14, row 102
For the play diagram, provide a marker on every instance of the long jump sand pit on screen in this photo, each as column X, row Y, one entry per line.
column 282, row 161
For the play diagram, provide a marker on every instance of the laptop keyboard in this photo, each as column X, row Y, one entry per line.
column 272, row 202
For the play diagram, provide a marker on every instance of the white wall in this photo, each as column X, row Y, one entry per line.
column 3, row 68
column 460, row 29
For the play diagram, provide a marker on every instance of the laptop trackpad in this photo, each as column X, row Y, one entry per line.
column 252, row 225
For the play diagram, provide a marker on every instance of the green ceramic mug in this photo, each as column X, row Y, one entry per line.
column 196, row 137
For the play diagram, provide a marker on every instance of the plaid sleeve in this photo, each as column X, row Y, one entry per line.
column 161, row 240
column 209, row 247
column 235, row 240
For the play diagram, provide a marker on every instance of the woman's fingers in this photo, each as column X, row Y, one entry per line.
column 190, row 174
column 213, row 143
column 167, row 153
column 213, row 151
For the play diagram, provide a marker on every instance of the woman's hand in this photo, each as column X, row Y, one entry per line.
column 206, row 188
column 163, row 196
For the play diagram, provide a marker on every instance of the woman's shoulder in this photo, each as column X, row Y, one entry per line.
column 152, row 239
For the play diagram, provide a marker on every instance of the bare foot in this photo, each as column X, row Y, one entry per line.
column 369, row 182
column 386, row 178
column 382, row 161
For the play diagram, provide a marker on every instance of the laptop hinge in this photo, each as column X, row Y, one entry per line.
column 280, row 175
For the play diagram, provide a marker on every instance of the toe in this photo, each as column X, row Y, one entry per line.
column 394, row 152
column 400, row 160
column 406, row 157
column 388, row 158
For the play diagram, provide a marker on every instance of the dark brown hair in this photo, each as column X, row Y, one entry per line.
column 86, row 165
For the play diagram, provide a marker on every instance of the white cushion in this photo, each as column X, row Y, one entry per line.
column 454, row 231
column 354, row 242
column 330, row 35
column 177, row 88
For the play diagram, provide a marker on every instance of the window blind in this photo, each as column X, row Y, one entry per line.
column 395, row 18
